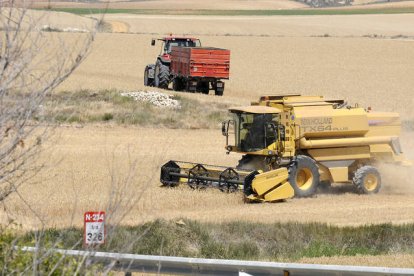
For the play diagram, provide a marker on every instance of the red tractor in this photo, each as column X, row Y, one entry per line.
column 188, row 66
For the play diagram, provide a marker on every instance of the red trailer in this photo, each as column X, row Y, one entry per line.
column 199, row 69
column 189, row 66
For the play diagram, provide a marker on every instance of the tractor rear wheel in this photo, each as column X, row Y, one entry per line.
column 303, row 176
column 162, row 75
column 367, row 180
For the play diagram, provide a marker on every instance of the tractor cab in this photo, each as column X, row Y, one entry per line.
column 256, row 129
column 171, row 41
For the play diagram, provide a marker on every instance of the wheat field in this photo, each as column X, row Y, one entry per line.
column 365, row 58
column 362, row 58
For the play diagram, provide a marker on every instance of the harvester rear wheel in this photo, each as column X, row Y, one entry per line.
column 304, row 176
column 162, row 75
column 367, row 180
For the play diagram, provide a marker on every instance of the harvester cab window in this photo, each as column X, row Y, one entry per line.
column 255, row 131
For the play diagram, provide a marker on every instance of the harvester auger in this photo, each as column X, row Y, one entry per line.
column 292, row 143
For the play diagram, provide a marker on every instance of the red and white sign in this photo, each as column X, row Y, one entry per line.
column 94, row 228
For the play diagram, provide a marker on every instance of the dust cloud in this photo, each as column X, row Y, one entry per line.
column 398, row 179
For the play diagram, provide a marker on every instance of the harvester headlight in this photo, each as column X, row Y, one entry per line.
column 229, row 148
column 219, row 84
column 195, row 69
column 270, row 152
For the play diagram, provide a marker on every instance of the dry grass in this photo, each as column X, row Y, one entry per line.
column 81, row 182
column 397, row 260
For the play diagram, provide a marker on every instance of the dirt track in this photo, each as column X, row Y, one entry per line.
column 82, row 180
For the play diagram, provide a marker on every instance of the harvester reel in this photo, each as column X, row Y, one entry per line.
column 195, row 176
column 224, row 184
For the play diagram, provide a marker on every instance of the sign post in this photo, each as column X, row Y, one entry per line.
column 94, row 228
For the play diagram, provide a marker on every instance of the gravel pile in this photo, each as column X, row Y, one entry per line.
column 156, row 98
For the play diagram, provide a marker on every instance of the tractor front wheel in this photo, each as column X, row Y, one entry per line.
column 148, row 81
column 304, row 176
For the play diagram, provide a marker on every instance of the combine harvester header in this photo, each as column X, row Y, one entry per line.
column 292, row 143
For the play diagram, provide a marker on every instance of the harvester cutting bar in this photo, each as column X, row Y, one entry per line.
column 200, row 176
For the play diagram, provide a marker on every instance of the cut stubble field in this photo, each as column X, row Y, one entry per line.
column 87, row 166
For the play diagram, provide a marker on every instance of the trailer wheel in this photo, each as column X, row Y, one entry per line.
column 203, row 87
column 367, row 180
column 218, row 88
column 303, row 176
column 178, row 84
column 162, row 75
column 218, row 92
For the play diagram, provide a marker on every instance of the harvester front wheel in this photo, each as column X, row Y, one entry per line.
column 367, row 180
column 304, row 176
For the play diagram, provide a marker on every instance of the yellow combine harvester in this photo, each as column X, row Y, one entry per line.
column 292, row 143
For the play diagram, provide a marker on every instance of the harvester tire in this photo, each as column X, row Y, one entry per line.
column 303, row 176
column 367, row 180
column 162, row 75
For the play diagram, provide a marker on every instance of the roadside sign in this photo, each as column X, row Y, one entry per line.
column 94, row 228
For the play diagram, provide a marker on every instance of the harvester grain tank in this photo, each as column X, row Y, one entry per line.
column 292, row 143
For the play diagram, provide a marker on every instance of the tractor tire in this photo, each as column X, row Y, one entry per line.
column 367, row 180
column 304, row 176
column 148, row 81
column 162, row 75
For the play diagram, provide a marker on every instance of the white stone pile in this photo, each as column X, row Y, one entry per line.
column 48, row 28
column 155, row 98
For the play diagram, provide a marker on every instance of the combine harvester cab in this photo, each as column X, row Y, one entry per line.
column 291, row 144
